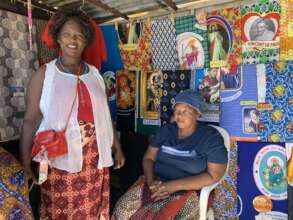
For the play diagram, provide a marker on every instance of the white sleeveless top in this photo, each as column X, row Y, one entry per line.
column 58, row 93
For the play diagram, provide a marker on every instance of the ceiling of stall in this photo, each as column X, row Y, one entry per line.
column 107, row 10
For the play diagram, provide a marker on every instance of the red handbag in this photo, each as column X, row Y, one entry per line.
column 54, row 142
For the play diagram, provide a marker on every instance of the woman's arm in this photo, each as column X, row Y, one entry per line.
column 32, row 119
column 117, row 150
column 213, row 174
column 148, row 162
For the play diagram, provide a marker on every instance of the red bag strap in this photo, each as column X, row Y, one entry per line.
column 76, row 92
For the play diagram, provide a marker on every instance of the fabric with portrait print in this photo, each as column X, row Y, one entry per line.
column 163, row 45
column 277, row 122
column 286, row 34
column 174, row 82
column 126, row 85
column 224, row 35
column 260, row 31
column 192, row 43
column 14, row 194
column 17, row 64
column 238, row 104
column 140, row 57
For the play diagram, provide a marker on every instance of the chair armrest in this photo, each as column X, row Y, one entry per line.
column 203, row 198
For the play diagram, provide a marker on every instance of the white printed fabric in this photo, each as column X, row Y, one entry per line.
column 17, row 63
column 163, row 45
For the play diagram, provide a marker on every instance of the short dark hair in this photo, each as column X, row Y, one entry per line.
column 61, row 17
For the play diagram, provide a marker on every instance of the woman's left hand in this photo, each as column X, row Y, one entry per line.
column 164, row 190
column 119, row 159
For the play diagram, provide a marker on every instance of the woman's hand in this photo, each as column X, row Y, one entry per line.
column 119, row 159
column 163, row 190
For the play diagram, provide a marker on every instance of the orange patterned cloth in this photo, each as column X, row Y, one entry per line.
column 83, row 195
column 14, row 195
column 140, row 58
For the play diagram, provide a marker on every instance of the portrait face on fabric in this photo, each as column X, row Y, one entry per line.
column 250, row 120
column 125, row 89
column 262, row 30
column 151, row 91
column 218, row 42
column 190, row 51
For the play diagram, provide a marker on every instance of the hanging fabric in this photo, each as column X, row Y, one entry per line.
column 17, row 64
column 163, row 45
column 192, row 44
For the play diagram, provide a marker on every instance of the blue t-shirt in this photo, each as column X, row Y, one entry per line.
column 179, row 158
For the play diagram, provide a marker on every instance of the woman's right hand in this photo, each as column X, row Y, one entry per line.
column 154, row 185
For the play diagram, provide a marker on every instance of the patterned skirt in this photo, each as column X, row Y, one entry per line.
column 136, row 204
column 78, row 196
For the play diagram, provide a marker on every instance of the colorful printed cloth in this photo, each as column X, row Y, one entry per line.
column 126, row 93
column 140, row 57
column 286, row 34
column 17, row 64
column 137, row 204
column 149, row 92
column 83, row 195
column 239, row 115
column 206, row 82
column 277, row 119
column 174, row 82
column 224, row 35
column 260, row 29
column 14, row 195
column 45, row 54
column 192, row 43
column 225, row 194
column 163, row 45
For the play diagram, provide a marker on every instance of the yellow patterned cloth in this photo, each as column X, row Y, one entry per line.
column 14, row 195
column 286, row 30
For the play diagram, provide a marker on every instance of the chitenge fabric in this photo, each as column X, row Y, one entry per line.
column 125, row 96
column 260, row 31
column 137, row 204
column 45, row 54
column 83, row 195
column 192, row 41
column 163, row 44
column 277, row 122
column 17, row 64
column 228, row 21
column 286, row 34
column 225, row 194
column 140, row 58
column 14, row 195
column 174, row 82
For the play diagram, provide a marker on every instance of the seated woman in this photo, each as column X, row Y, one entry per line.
column 183, row 157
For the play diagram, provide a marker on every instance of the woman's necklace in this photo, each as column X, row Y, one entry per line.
column 80, row 89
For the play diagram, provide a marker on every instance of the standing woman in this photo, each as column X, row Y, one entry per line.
column 78, row 182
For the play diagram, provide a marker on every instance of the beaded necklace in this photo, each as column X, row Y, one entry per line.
column 66, row 70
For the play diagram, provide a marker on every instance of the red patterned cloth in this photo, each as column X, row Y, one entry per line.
column 83, row 195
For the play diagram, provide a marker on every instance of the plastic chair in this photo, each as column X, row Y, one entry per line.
column 205, row 191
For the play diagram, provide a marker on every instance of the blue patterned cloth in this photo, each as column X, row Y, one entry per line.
column 174, row 82
column 277, row 123
column 163, row 45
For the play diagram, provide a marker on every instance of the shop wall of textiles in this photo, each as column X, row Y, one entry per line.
column 238, row 58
